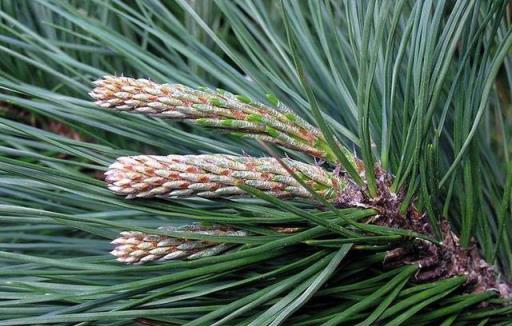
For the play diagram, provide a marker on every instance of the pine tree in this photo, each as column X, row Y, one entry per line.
column 363, row 176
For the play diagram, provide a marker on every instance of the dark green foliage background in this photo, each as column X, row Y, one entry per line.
column 421, row 86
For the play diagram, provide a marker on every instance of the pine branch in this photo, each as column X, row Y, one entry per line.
column 219, row 176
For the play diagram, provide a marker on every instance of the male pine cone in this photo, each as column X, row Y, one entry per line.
column 219, row 176
column 135, row 247
column 215, row 109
